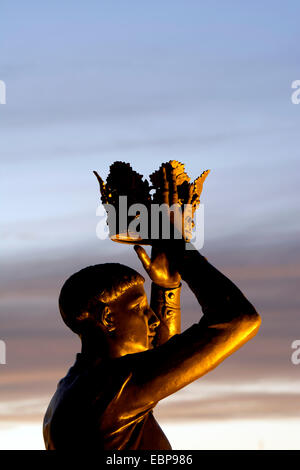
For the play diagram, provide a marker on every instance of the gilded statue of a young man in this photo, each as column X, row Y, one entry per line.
column 134, row 354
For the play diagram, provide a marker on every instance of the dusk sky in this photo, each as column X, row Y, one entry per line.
column 205, row 83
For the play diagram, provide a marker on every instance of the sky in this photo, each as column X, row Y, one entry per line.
column 205, row 83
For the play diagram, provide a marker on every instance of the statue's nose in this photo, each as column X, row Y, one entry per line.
column 153, row 321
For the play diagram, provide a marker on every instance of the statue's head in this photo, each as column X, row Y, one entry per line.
column 108, row 302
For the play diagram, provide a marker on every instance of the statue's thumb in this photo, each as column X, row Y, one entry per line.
column 144, row 258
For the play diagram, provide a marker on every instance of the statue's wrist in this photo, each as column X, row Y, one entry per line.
column 170, row 287
column 169, row 296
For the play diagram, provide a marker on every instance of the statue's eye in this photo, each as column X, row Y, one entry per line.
column 137, row 308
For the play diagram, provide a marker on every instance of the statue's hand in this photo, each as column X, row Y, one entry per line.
column 161, row 267
column 165, row 254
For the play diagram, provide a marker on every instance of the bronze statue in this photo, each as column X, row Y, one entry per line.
column 133, row 354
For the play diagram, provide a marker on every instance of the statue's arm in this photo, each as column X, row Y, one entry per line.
column 166, row 304
column 220, row 299
column 228, row 322
column 165, row 288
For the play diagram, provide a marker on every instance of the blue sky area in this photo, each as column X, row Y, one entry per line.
column 88, row 83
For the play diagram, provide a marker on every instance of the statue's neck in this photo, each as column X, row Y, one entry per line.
column 94, row 346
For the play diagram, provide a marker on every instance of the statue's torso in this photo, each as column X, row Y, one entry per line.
column 84, row 413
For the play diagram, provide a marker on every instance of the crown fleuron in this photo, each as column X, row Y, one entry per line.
column 125, row 188
column 188, row 193
column 124, row 181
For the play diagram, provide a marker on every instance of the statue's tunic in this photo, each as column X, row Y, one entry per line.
column 85, row 411
column 108, row 404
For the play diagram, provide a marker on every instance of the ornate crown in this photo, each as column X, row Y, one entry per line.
column 126, row 188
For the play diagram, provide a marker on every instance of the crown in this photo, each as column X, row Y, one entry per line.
column 126, row 189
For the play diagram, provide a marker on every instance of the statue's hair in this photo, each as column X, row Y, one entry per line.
column 86, row 292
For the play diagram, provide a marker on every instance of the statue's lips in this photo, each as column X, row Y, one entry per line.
column 151, row 341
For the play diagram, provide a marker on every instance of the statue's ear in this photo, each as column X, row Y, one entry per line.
column 107, row 319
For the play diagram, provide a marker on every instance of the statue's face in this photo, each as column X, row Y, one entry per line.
column 134, row 321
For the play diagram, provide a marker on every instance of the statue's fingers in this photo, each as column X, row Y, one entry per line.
column 144, row 258
column 191, row 192
column 174, row 188
column 165, row 192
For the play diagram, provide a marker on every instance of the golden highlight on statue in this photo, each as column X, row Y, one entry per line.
column 133, row 353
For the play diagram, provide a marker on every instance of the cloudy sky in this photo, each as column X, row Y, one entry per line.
column 207, row 83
